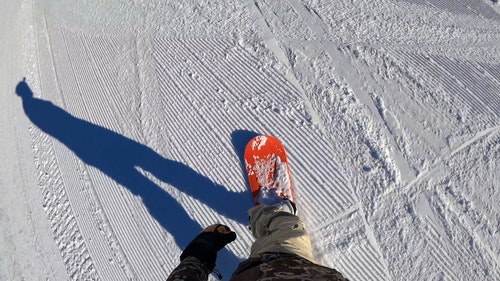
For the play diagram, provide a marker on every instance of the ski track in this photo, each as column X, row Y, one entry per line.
column 454, row 225
column 363, row 257
column 448, row 254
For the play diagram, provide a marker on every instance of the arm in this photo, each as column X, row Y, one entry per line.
column 190, row 269
column 198, row 259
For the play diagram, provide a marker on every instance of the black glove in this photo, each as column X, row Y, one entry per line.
column 206, row 244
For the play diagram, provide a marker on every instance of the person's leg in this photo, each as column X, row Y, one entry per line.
column 277, row 230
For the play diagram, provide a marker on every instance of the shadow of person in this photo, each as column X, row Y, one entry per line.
column 120, row 157
column 239, row 139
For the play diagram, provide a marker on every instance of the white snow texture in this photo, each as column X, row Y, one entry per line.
column 132, row 140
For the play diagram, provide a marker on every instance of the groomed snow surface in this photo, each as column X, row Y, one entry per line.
column 132, row 141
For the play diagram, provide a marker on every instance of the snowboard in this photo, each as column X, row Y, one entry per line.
column 267, row 170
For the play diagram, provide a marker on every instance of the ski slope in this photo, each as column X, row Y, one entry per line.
column 132, row 140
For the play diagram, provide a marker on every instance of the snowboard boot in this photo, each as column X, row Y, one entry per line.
column 269, row 197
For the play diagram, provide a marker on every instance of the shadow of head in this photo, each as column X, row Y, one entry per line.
column 240, row 138
column 23, row 90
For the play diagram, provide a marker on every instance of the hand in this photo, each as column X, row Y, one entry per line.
column 206, row 244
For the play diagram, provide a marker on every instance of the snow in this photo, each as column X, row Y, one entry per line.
column 133, row 139
column 273, row 177
column 259, row 142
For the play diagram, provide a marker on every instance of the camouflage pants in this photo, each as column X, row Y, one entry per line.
column 278, row 231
